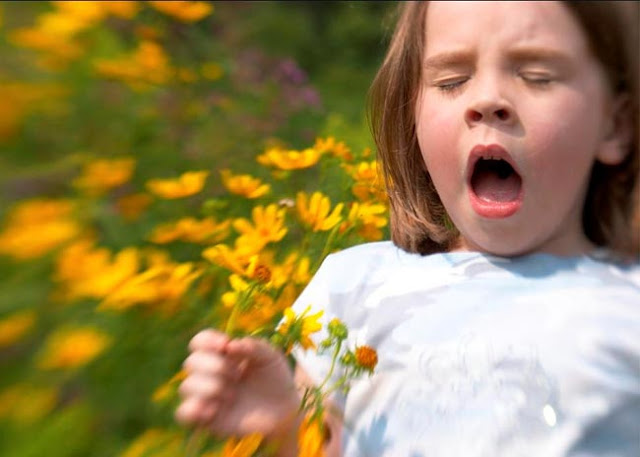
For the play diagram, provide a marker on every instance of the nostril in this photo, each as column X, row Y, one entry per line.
column 474, row 116
column 502, row 114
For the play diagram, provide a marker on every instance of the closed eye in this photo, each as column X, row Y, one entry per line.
column 538, row 79
column 450, row 85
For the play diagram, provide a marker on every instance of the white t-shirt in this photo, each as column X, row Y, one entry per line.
column 484, row 356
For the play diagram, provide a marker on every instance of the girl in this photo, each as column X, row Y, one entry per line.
column 504, row 321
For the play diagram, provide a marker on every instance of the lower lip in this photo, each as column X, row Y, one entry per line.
column 494, row 210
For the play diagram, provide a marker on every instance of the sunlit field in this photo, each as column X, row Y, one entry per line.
column 166, row 167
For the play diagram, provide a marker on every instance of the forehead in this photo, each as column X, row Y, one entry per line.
column 510, row 23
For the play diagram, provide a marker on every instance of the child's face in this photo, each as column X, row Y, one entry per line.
column 513, row 81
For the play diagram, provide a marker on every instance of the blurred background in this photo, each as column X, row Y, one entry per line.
column 110, row 255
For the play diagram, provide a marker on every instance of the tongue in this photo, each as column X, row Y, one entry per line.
column 489, row 186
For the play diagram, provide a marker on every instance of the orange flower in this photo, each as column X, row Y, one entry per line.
column 131, row 206
column 16, row 326
column 337, row 149
column 366, row 357
column 268, row 226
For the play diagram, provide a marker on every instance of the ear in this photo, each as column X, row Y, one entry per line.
column 615, row 144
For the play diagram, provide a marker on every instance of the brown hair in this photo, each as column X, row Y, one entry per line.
column 419, row 221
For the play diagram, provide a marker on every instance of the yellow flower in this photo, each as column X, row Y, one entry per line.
column 191, row 230
column 168, row 388
column 289, row 159
column 72, row 347
column 368, row 218
column 148, row 64
column 366, row 357
column 243, row 447
column 155, row 442
column 334, row 148
column 245, row 185
column 368, row 184
column 314, row 212
column 296, row 329
column 122, row 9
column 102, row 175
column 224, row 256
column 15, row 326
column 164, row 283
column 311, row 438
column 187, row 184
column 88, row 272
column 131, row 206
column 268, row 226
column 26, row 404
column 35, row 227
column 184, row 11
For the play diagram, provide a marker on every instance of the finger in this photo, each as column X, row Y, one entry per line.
column 194, row 410
column 205, row 387
column 254, row 349
column 212, row 364
column 209, row 340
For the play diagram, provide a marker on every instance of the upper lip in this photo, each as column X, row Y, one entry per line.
column 488, row 151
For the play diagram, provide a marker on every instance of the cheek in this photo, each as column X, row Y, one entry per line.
column 437, row 136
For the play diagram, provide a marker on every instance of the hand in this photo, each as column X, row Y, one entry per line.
column 237, row 387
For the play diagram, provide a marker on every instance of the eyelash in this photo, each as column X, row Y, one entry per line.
column 536, row 80
column 451, row 86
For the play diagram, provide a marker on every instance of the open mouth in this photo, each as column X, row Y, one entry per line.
column 494, row 183
column 495, row 180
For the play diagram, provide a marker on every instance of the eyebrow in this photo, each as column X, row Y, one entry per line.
column 448, row 59
column 534, row 54
column 523, row 54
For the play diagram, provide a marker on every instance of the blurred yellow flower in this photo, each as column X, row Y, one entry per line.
column 72, row 347
column 26, row 403
column 35, row 227
column 192, row 230
column 122, row 9
column 268, row 226
column 168, row 388
column 102, row 175
column 228, row 258
column 162, row 284
column 242, row 447
column 368, row 183
column 211, row 71
column 244, row 185
column 314, row 212
column 368, row 218
column 15, row 326
column 155, row 442
column 337, row 149
column 296, row 329
column 184, row 11
column 131, row 206
column 289, row 159
column 187, row 184
column 85, row 271
column 148, row 64
column 311, row 438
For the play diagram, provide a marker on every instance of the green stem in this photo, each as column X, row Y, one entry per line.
column 327, row 246
column 336, row 352
column 192, row 447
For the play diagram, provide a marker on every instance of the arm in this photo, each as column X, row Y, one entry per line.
column 243, row 386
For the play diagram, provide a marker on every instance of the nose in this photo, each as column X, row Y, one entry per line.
column 488, row 105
